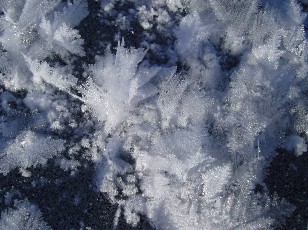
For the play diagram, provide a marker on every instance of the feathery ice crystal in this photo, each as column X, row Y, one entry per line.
column 180, row 124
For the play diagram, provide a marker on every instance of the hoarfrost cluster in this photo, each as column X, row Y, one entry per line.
column 173, row 109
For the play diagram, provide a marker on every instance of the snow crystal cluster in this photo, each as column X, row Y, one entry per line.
column 180, row 127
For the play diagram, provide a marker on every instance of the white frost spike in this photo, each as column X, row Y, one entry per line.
column 258, row 149
column 69, row 39
column 19, row 21
column 28, row 27
column 118, row 85
column 294, row 11
column 116, row 217
column 33, row 10
column 42, row 72
column 61, row 38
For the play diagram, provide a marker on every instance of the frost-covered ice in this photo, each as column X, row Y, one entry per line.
column 180, row 114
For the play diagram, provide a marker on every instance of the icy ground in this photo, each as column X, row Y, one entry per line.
column 156, row 114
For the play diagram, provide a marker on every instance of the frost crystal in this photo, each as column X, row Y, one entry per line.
column 29, row 150
column 180, row 123
column 117, row 86
column 24, row 216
